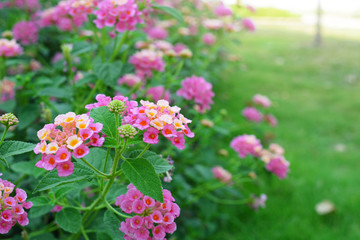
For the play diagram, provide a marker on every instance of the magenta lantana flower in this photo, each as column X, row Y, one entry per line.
column 147, row 61
column 252, row 114
column 152, row 220
column 262, row 100
column 279, row 166
column 122, row 15
column 9, row 48
column 222, row 174
column 246, row 145
column 199, row 89
column 26, row 32
column 12, row 208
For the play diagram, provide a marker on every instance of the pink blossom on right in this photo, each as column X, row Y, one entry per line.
column 221, row 10
column 222, row 174
column 252, row 114
column 258, row 201
column 248, row 24
column 262, row 100
column 209, row 39
column 199, row 89
column 279, row 166
column 246, row 145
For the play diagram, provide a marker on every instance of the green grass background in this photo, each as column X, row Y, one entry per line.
column 316, row 98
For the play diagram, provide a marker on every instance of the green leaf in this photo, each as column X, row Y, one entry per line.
column 97, row 157
column 40, row 201
column 112, row 224
column 159, row 163
column 3, row 161
column 109, row 73
column 104, row 116
column 110, row 142
column 39, row 211
column 172, row 11
column 8, row 106
column 55, row 92
column 52, row 179
column 69, row 219
column 142, row 174
column 88, row 78
column 82, row 47
column 11, row 148
column 28, row 115
column 27, row 168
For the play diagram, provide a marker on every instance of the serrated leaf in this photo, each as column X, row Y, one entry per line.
column 110, row 142
column 142, row 174
column 39, row 211
column 8, row 106
column 3, row 161
column 109, row 73
column 159, row 163
column 28, row 115
column 97, row 157
column 55, row 92
column 40, row 201
column 104, row 116
column 172, row 11
column 69, row 219
column 27, row 168
column 112, row 224
column 51, row 180
column 82, row 47
column 11, row 148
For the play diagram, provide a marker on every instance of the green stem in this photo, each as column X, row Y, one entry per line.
column 116, row 212
column 117, row 49
column 94, row 168
column 144, row 151
column 2, row 68
column 50, row 228
column 84, row 233
column 4, row 134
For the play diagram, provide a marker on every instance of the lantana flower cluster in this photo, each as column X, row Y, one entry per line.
column 254, row 115
column 160, row 118
column 275, row 160
column 147, row 61
column 26, row 32
column 12, row 208
column 123, row 14
column 222, row 174
column 7, row 90
column 152, row 220
column 199, row 89
column 246, row 145
column 70, row 135
column 9, row 48
column 166, row 48
column 66, row 15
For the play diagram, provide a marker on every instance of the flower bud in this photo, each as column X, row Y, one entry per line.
column 127, row 131
column 186, row 53
column 8, row 119
column 117, row 106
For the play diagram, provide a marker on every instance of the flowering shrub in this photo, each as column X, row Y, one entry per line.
column 101, row 82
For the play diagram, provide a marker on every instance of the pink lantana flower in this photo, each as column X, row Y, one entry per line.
column 153, row 220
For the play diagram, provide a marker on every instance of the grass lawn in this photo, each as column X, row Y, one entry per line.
column 316, row 98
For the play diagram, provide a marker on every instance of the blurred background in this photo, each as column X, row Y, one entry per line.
column 306, row 58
